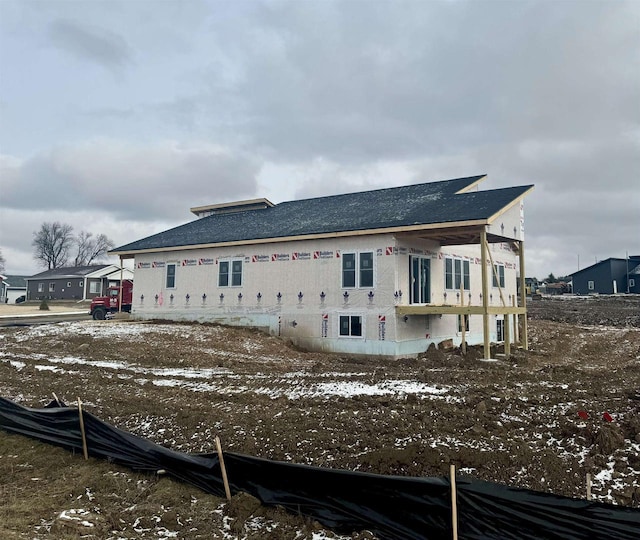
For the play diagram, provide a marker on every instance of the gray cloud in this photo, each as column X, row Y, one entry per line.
column 140, row 183
column 91, row 43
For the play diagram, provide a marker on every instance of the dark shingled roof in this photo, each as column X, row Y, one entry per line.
column 419, row 204
column 69, row 271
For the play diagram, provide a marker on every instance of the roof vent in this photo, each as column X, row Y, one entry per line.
column 232, row 207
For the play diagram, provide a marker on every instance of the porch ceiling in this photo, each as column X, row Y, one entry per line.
column 455, row 236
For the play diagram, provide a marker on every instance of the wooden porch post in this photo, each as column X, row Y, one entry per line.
column 523, row 299
column 507, row 335
column 485, row 293
column 516, row 337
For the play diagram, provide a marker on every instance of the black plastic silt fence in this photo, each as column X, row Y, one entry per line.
column 392, row 507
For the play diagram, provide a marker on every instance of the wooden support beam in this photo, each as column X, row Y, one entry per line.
column 485, row 293
column 434, row 309
column 463, row 319
column 523, row 299
column 507, row 336
column 516, row 336
column 495, row 274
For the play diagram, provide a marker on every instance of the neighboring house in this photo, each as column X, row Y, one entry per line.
column 555, row 289
column 384, row 272
column 610, row 276
column 11, row 288
column 75, row 283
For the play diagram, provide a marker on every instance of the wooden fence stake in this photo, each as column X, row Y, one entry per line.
column 588, row 486
column 225, row 481
column 56, row 398
column 454, row 501
column 85, row 451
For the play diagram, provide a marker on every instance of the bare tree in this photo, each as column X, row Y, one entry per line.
column 52, row 244
column 2, row 262
column 90, row 248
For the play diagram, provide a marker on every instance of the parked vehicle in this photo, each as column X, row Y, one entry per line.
column 21, row 299
column 101, row 306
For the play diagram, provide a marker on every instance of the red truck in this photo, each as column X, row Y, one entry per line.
column 101, row 305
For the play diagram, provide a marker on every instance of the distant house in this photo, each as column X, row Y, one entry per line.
column 610, row 276
column 555, row 288
column 11, row 288
column 75, row 283
column 383, row 272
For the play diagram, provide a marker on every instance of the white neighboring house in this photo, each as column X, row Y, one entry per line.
column 383, row 272
column 12, row 288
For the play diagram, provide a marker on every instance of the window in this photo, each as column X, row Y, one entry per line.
column 591, row 285
column 234, row 268
column 40, row 287
column 500, row 330
column 351, row 325
column 52, row 287
column 68, row 284
column 357, row 269
column 632, row 282
column 80, row 283
column 171, row 276
column 94, row 287
column 499, row 274
column 456, row 272
column 466, row 321
column 419, row 279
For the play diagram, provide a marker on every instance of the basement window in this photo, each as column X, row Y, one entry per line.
column 591, row 285
column 466, row 321
column 171, row 276
column 456, row 272
column 498, row 275
column 350, row 326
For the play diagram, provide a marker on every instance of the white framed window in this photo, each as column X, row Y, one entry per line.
column 80, row 283
column 351, row 326
column 500, row 330
column 230, row 273
column 419, row 279
column 357, row 270
column 170, row 282
column 632, row 282
column 68, row 284
column 456, row 273
column 52, row 287
column 40, row 287
column 498, row 275
column 591, row 285
column 94, row 287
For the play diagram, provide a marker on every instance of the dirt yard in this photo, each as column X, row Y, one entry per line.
column 541, row 419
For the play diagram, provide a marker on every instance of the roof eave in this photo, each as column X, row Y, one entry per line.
column 507, row 207
column 129, row 254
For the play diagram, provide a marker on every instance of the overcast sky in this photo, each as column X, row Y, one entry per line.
column 117, row 117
